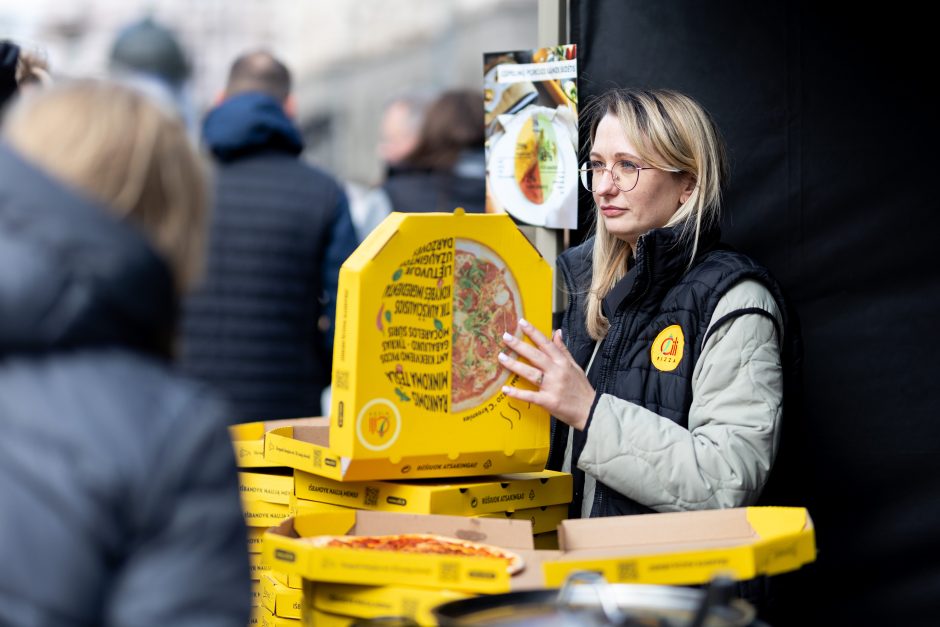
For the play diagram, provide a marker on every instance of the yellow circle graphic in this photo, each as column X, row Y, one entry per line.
column 378, row 424
column 666, row 351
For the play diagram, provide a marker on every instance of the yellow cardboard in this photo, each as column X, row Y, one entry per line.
column 248, row 441
column 254, row 619
column 374, row 601
column 291, row 581
column 272, row 486
column 284, row 551
column 546, row 541
column 685, row 548
column 267, row 619
column 544, row 519
column 456, row 497
column 279, row 599
column 263, row 513
column 319, row 618
column 300, row 507
column 256, row 593
column 256, row 565
column 255, row 535
column 402, row 301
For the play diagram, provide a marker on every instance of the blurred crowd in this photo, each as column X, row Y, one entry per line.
column 165, row 274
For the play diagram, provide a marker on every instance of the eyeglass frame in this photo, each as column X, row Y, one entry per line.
column 582, row 173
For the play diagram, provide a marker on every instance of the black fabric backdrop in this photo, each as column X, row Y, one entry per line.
column 833, row 141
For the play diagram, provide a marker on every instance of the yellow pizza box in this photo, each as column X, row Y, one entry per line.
column 422, row 306
column 256, row 592
column 285, row 579
column 248, row 442
column 685, row 548
column 274, row 485
column 286, row 551
column 457, row 497
column 544, row 519
column 319, row 618
column 262, row 513
column 255, row 535
column 376, row 601
column 279, row 599
column 256, row 566
column 267, row 619
column 300, row 507
column 254, row 619
column 547, row 541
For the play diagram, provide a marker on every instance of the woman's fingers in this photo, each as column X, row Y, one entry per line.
column 533, row 374
column 543, row 343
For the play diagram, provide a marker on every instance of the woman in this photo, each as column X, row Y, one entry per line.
column 679, row 336
column 121, row 501
column 446, row 169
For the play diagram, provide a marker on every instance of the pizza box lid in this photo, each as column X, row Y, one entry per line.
column 285, row 551
column 422, row 293
column 463, row 496
column 685, row 548
column 248, row 441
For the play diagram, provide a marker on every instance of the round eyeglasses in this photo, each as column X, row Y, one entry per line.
column 625, row 174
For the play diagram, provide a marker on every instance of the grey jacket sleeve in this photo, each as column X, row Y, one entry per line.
column 724, row 457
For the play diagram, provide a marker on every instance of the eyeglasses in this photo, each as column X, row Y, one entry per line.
column 625, row 174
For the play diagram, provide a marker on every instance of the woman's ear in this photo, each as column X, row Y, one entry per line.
column 687, row 190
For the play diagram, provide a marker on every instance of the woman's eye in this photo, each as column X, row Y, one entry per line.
column 596, row 165
column 627, row 165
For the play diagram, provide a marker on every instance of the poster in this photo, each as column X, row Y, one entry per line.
column 531, row 115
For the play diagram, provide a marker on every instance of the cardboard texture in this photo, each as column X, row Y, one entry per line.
column 546, row 541
column 275, row 485
column 263, row 513
column 255, row 535
column 319, row 618
column 256, row 565
column 544, row 519
column 375, row 601
column 456, row 497
column 279, row 599
column 685, row 548
column 416, row 389
column 267, row 619
column 301, row 507
column 291, row 581
column 248, row 441
column 286, row 551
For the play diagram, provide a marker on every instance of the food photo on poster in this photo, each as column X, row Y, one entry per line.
column 531, row 120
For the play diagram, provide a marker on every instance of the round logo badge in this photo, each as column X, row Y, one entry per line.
column 666, row 351
column 378, row 424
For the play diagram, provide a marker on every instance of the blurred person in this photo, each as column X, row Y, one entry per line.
column 149, row 56
column 20, row 70
column 399, row 132
column 446, row 167
column 666, row 380
column 121, row 500
column 260, row 327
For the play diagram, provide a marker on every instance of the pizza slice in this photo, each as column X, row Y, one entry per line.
column 422, row 543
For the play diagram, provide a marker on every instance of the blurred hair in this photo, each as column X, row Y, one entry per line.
column 259, row 70
column 453, row 123
column 123, row 150
column 670, row 131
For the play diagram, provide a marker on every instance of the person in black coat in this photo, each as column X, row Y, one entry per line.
column 447, row 168
column 120, row 491
column 260, row 327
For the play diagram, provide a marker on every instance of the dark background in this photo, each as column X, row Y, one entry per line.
column 833, row 140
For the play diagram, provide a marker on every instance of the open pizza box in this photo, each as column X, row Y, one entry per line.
column 422, row 306
column 248, row 440
column 285, row 550
column 685, row 548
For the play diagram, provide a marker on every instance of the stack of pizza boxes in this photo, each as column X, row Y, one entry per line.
column 419, row 426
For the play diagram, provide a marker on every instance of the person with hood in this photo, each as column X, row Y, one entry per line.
column 260, row 327
column 120, row 490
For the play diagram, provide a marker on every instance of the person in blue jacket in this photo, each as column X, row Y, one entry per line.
column 260, row 326
column 119, row 485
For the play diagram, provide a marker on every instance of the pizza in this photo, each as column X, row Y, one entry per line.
column 422, row 543
column 487, row 303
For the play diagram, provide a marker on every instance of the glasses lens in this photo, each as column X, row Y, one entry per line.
column 625, row 175
column 587, row 176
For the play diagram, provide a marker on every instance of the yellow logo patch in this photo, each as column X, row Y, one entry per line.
column 667, row 348
column 378, row 424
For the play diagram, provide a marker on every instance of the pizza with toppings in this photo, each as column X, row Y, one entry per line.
column 423, row 543
column 487, row 304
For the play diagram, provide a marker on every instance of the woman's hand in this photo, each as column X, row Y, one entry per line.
column 562, row 387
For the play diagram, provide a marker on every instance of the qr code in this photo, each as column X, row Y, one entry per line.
column 626, row 571
column 371, row 496
column 317, row 458
column 341, row 380
column 449, row 571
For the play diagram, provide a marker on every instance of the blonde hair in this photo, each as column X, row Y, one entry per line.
column 124, row 151
column 671, row 131
column 32, row 69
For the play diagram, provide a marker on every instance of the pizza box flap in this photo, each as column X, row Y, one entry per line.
column 686, row 548
column 422, row 306
column 248, row 440
column 509, row 534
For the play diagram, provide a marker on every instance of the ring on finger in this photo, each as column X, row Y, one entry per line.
column 538, row 381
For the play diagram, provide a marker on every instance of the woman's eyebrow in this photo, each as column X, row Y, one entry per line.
column 617, row 155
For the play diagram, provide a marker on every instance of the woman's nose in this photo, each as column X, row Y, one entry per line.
column 604, row 183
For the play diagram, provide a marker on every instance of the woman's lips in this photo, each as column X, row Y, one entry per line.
column 609, row 211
